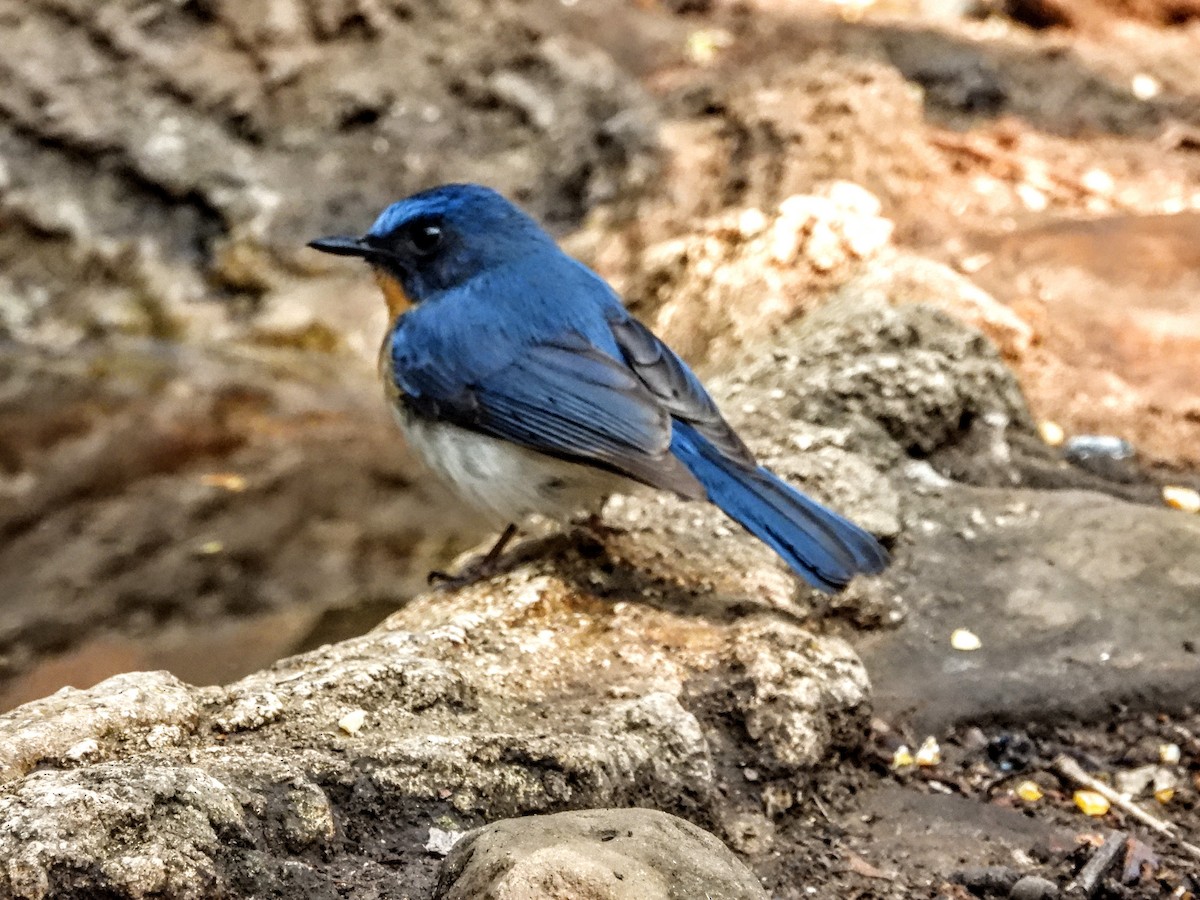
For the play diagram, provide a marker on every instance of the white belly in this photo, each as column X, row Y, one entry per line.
column 506, row 482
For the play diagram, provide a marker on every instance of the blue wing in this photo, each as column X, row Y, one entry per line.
column 675, row 386
column 561, row 396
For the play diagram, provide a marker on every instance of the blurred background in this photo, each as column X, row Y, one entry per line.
column 197, row 471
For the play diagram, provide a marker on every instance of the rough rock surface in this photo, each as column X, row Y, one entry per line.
column 597, row 854
column 650, row 663
column 582, row 679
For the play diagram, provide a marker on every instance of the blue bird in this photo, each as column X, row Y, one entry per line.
column 519, row 377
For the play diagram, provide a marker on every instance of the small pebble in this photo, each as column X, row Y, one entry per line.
column 1181, row 498
column 1093, row 446
column 964, row 640
column 1092, row 803
column 1134, row 782
column 1031, row 887
column 353, row 721
column 929, row 753
column 1029, row 791
column 1098, row 181
column 227, row 481
column 902, row 758
column 1145, row 87
column 1052, row 433
column 1164, row 786
column 704, row 45
column 1169, row 754
column 441, row 841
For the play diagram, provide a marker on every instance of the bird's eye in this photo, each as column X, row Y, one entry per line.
column 425, row 237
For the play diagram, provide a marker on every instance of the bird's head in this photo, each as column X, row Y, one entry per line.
column 438, row 239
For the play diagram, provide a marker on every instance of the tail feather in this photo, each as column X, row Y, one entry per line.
column 821, row 546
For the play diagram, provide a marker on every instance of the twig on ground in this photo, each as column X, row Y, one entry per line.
column 1069, row 769
column 1088, row 879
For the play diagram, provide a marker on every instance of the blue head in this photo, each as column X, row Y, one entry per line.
column 440, row 238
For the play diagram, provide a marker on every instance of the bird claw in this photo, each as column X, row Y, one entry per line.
column 437, row 577
column 477, row 570
column 472, row 572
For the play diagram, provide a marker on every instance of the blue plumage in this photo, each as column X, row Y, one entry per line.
column 512, row 344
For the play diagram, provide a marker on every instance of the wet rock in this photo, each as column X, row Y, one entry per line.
column 601, row 854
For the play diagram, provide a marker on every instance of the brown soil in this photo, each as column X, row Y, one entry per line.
column 959, row 830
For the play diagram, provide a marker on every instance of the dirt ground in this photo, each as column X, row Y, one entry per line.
column 959, row 829
column 159, row 439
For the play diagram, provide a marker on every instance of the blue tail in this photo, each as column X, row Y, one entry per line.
column 822, row 547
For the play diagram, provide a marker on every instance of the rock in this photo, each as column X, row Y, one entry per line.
column 1032, row 887
column 740, row 274
column 1045, row 579
column 148, row 708
column 907, row 278
column 584, row 677
column 166, row 505
column 595, row 854
column 651, row 663
column 888, row 383
column 184, row 819
column 987, row 880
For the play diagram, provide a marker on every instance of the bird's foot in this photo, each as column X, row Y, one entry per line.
column 595, row 526
column 478, row 569
column 448, row 581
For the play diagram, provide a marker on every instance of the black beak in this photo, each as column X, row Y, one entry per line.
column 341, row 245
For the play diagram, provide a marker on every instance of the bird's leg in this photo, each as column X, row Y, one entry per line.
column 594, row 524
column 489, row 560
column 478, row 569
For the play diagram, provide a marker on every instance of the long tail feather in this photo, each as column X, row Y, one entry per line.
column 821, row 546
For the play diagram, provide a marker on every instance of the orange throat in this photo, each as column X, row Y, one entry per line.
column 393, row 294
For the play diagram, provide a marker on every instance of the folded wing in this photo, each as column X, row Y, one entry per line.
column 567, row 399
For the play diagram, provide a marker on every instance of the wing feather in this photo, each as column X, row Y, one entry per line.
column 567, row 399
column 677, row 388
